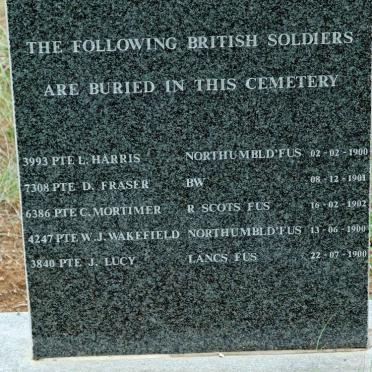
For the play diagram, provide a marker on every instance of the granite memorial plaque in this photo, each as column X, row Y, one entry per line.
column 194, row 174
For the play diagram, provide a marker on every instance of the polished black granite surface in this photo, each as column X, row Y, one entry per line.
column 225, row 212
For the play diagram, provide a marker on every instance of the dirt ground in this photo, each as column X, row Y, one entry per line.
column 12, row 277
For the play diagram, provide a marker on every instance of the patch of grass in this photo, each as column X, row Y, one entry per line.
column 8, row 167
column 9, row 185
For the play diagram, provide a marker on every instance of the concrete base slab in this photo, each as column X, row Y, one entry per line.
column 16, row 356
